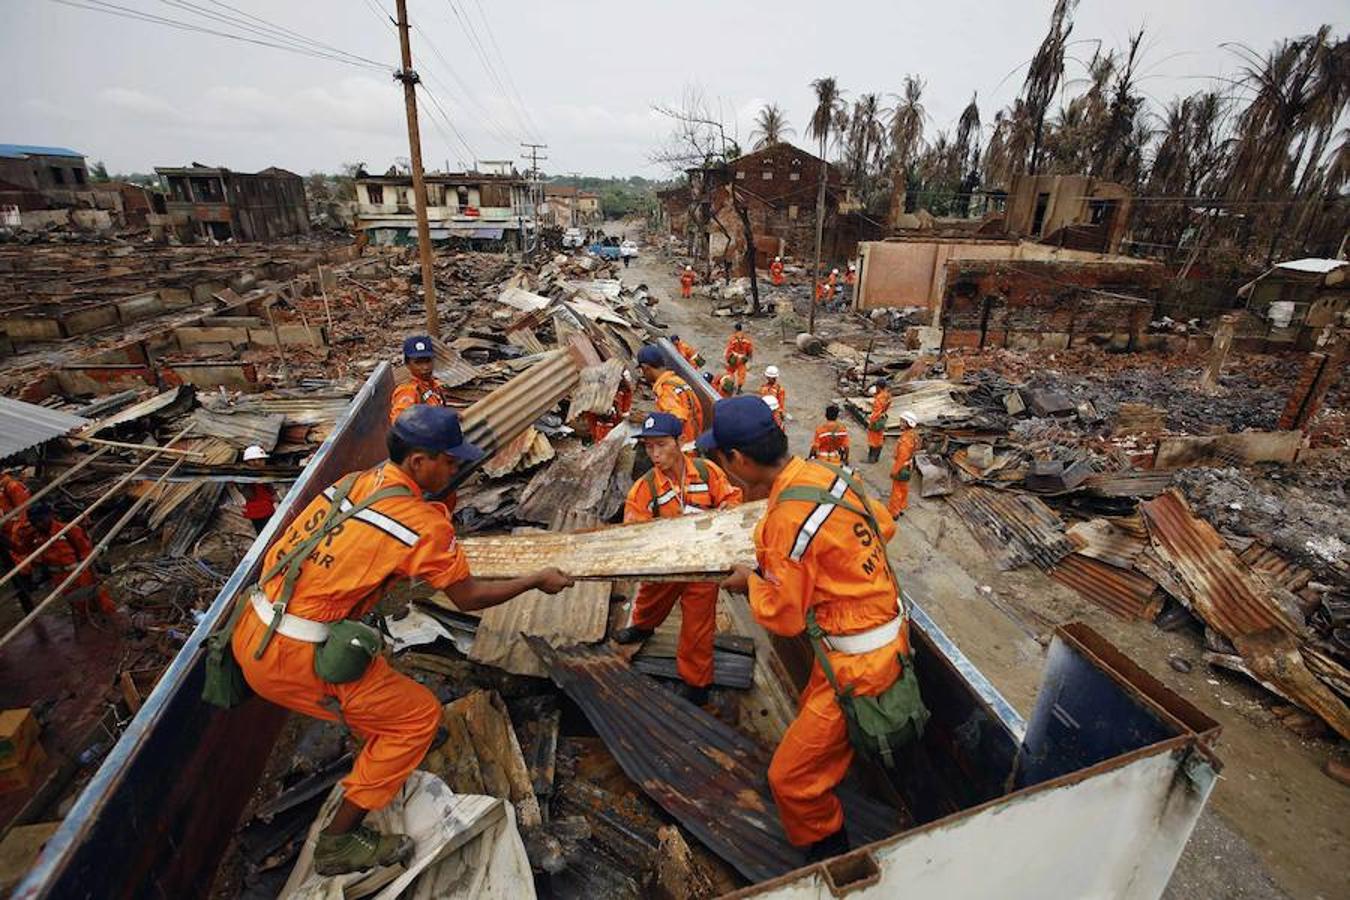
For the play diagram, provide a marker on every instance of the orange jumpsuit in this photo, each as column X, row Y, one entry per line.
column 740, row 350
column 830, row 442
column 850, row 277
column 776, row 273
column 62, row 557
column 726, row 386
column 905, row 445
column 687, row 284
column 828, row 558
column 13, row 494
column 689, row 353
column 698, row 600
column 600, row 426
column 776, row 388
column 876, row 422
column 398, row 537
column 415, row 391
column 674, row 396
column 825, row 289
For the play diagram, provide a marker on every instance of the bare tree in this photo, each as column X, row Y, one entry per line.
column 700, row 145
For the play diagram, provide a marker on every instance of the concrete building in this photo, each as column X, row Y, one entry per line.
column 220, row 205
column 1077, row 212
column 42, row 168
column 483, row 208
column 571, row 207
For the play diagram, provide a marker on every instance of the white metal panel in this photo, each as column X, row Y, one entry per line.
column 1117, row 834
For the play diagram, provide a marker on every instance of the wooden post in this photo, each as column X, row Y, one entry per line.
column 410, row 80
column 1218, row 352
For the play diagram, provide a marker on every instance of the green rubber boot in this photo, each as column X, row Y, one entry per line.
column 359, row 849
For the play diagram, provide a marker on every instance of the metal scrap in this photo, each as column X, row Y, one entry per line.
column 1014, row 528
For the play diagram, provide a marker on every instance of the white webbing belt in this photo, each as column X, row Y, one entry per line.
column 306, row 630
column 865, row 641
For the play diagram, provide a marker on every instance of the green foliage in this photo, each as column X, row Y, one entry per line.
column 619, row 197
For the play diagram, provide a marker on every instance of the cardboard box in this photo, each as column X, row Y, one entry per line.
column 20, row 849
column 21, row 776
column 18, row 732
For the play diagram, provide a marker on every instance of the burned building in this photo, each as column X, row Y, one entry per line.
column 482, row 208
column 1077, row 212
column 218, row 204
column 42, row 187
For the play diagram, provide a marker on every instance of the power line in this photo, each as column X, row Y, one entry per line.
column 506, row 68
column 448, row 121
column 472, row 34
column 489, row 122
column 264, row 28
column 124, row 12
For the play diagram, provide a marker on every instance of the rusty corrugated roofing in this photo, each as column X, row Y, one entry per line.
column 1122, row 591
column 709, row 776
column 1130, row 483
column 1222, row 588
column 1015, row 528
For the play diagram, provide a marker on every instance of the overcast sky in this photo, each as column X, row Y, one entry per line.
column 138, row 94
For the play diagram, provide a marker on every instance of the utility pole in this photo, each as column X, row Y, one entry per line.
column 410, row 80
column 534, row 157
column 576, row 196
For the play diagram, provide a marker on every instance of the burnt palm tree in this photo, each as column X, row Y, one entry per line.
column 907, row 121
column 1045, row 73
column 828, row 100
column 771, row 127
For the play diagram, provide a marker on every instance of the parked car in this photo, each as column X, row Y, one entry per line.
column 628, row 248
column 606, row 248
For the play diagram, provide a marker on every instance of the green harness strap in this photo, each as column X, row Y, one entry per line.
column 813, row 494
column 700, row 466
column 294, row 559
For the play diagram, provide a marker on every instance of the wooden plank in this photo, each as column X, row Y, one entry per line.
column 1245, row 448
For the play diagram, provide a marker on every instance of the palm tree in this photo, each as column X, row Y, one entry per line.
column 828, row 99
column 907, row 121
column 963, row 154
column 864, row 134
column 1045, row 72
column 771, row 127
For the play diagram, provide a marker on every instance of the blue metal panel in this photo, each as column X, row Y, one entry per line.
column 22, row 150
column 158, row 815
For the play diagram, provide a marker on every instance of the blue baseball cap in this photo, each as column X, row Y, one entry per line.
column 418, row 346
column 651, row 355
column 437, row 429
column 737, row 422
column 659, row 424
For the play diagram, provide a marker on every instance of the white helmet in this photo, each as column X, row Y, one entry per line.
column 852, row 266
column 834, row 271
column 771, row 372
column 771, row 400
column 778, row 259
column 909, row 419
column 254, row 452
column 689, row 268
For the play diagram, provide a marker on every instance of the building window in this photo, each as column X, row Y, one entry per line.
column 376, row 194
column 794, row 176
column 767, row 175
column 792, row 212
column 79, row 175
column 58, row 174
column 740, row 176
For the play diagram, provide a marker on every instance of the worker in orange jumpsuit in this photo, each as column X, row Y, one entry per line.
column 260, row 498
column 677, row 485
column 726, row 385
column 903, row 467
column 601, row 425
column 687, row 282
column 687, row 351
column 831, row 441
column 63, row 557
column 392, row 533
column 851, row 276
column 740, row 350
column 673, row 393
column 776, row 271
column 14, row 494
column 419, row 356
column 772, row 386
column 826, row 558
column 825, row 290
column 876, row 421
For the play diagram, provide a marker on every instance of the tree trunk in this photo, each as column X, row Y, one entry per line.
column 751, row 252
column 820, row 227
column 899, row 186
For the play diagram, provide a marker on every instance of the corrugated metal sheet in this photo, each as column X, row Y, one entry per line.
column 1130, row 483
column 576, row 615
column 525, row 451
column 1015, row 528
column 1116, row 542
column 689, row 548
column 23, row 425
column 1122, row 591
column 710, row 777
column 1221, row 587
column 241, row 429
column 451, row 369
column 1288, row 575
column 596, row 390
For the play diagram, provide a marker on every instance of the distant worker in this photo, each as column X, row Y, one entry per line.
column 687, row 351
column 600, row 425
column 851, row 276
column 831, row 441
column 260, row 498
column 673, row 393
column 677, row 485
column 14, row 494
column 687, row 282
column 740, row 350
column 825, row 290
column 726, row 385
column 774, row 406
column 903, row 467
column 63, row 557
column 775, row 387
column 776, row 271
column 876, row 421
column 821, row 570
column 300, row 642
column 419, row 356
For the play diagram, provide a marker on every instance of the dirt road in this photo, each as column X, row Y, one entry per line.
column 1275, row 827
